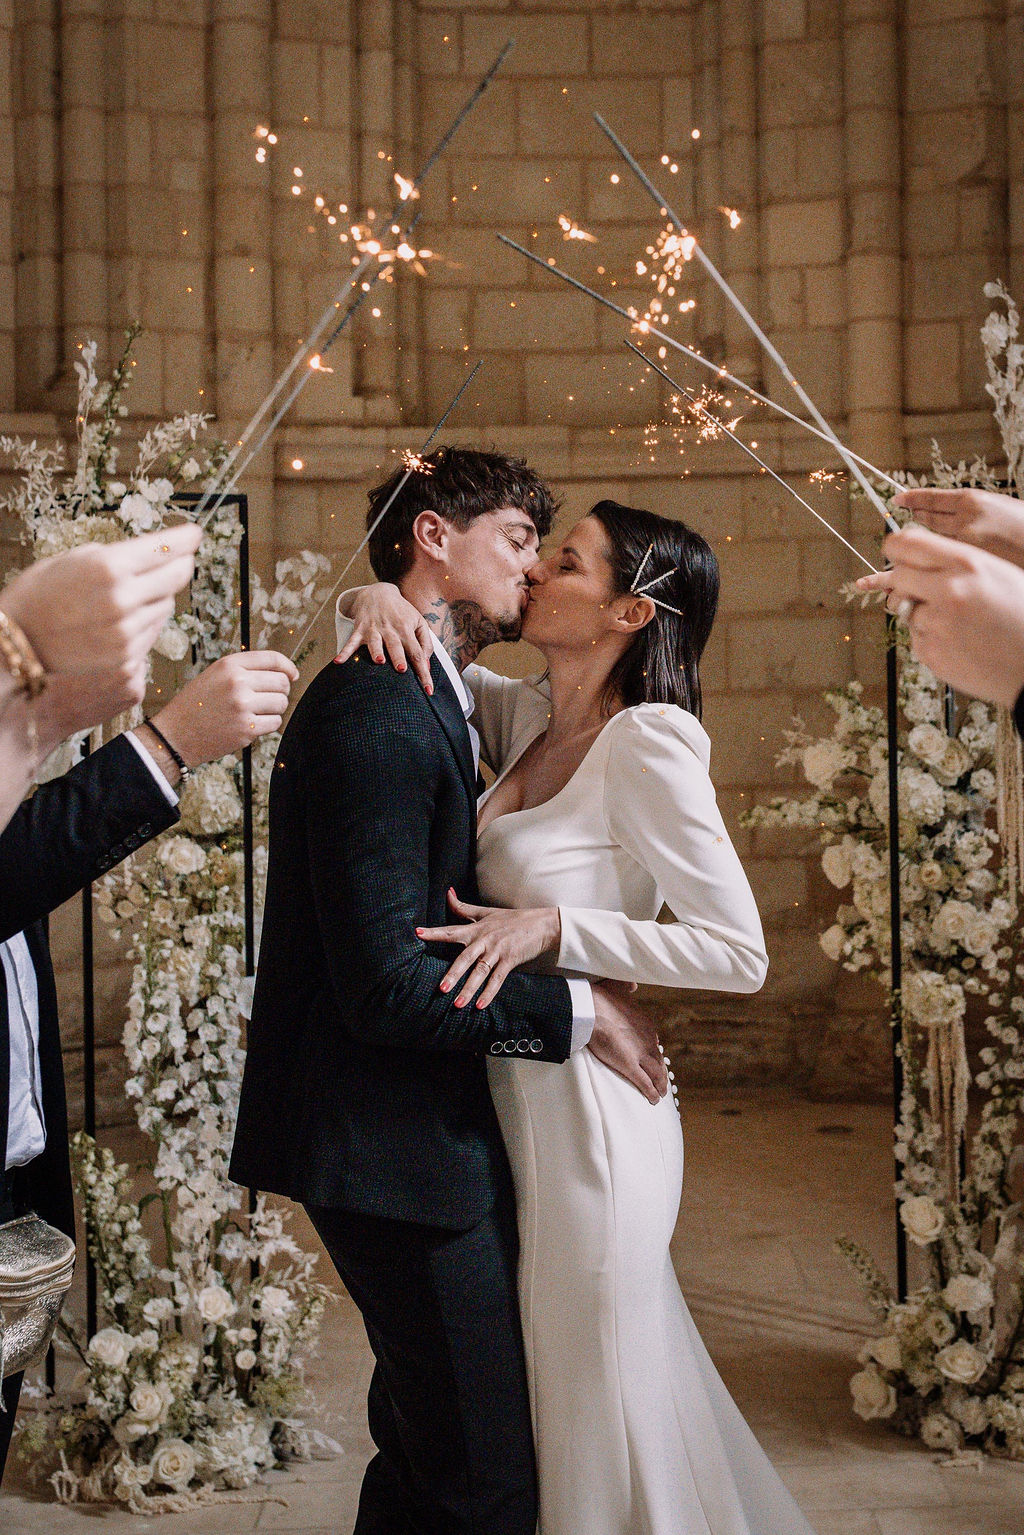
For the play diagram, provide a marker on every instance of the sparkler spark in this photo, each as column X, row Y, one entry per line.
column 572, row 231
column 733, row 215
column 406, row 189
column 416, row 462
column 318, row 365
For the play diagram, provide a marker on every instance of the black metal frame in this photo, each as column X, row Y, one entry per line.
column 185, row 500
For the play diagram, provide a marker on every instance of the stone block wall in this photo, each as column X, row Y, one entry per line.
column 873, row 153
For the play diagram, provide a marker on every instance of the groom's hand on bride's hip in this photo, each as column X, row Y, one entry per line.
column 626, row 1040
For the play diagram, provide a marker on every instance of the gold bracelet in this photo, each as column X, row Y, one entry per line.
column 19, row 658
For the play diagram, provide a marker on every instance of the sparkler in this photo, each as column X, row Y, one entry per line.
column 408, row 191
column 715, row 426
column 751, row 323
column 705, row 362
column 414, row 462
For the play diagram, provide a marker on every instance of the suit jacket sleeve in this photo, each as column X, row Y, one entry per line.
column 370, row 774
column 659, row 805
column 74, row 829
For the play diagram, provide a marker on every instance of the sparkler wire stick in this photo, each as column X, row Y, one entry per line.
column 332, row 307
column 712, row 367
column 721, row 426
column 411, row 470
column 748, row 318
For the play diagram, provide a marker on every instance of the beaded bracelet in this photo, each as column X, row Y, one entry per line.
column 19, row 658
column 176, row 757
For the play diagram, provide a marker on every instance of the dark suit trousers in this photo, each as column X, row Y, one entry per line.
column 448, row 1405
column 14, row 1200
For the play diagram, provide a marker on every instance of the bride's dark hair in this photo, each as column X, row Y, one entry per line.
column 661, row 665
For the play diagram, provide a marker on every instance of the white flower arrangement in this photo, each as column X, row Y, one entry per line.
column 948, row 1364
column 190, row 1389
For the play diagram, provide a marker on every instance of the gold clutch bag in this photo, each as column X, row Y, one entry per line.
column 37, row 1263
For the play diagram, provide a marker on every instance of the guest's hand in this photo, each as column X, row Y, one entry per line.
column 230, row 704
column 495, row 940
column 626, row 1040
column 964, row 609
column 98, row 608
column 985, row 518
column 383, row 621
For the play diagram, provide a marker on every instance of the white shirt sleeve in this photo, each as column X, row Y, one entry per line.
column 494, row 704
column 659, row 805
column 169, row 794
column 581, row 995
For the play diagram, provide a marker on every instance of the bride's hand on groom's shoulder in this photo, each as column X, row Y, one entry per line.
column 495, row 940
column 626, row 1041
column 388, row 625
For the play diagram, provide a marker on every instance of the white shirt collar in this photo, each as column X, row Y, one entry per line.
column 454, row 676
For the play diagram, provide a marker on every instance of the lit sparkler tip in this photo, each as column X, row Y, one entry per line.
column 318, row 365
column 416, row 462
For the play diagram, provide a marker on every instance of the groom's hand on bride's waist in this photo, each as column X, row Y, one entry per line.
column 626, row 1040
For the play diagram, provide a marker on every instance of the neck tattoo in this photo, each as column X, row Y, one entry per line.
column 463, row 629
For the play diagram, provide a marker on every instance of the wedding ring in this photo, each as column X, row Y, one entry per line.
column 487, row 966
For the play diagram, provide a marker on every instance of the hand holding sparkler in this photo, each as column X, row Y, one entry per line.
column 986, row 518
column 964, row 608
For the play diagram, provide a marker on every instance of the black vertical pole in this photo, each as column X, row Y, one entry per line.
column 249, row 893
column 895, row 918
column 88, row 1065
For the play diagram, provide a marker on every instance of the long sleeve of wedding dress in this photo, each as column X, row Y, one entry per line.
column 660, row 807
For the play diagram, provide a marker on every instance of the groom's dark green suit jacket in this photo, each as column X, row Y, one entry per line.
column 365, row 1088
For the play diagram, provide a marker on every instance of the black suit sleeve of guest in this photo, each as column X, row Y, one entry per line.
column 74, row 829
column 370, row 782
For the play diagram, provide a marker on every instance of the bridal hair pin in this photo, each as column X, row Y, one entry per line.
column 645, row 590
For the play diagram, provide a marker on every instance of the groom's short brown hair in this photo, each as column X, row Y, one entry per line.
column 458, row 484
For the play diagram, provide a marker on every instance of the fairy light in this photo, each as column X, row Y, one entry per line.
column 297, row 464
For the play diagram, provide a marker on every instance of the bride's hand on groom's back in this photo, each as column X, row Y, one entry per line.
column 626, row 1040
column 387, row 624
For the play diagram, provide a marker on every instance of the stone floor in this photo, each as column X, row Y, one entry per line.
column 770, row 1182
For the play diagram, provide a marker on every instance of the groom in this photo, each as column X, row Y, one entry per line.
column 365, row 1092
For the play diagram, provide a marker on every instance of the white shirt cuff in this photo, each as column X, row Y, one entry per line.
column 584, row 1014
column 169, row 794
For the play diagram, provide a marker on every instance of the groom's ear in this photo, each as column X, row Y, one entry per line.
column 430, row 536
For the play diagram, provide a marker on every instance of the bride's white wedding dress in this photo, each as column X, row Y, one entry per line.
column 635, row 1431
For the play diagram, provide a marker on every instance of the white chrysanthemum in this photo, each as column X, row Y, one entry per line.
column 931, row 1000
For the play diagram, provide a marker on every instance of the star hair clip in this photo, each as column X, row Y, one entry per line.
column 645, row 590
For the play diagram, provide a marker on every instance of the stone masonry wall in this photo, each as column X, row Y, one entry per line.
column 872, row 150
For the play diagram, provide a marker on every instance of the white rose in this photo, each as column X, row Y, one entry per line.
column 835, row 861
column 928, row 743
column 953, row 763
column 922, row 1219
column 171, row 642
column 833, row 940
column 961, row 1362
column 966, row 1292
column 182, row 856
column 952, row 921
column 157, row 1310
column 983, row 782
column 129, row 1474
column 245, row 1359
column 275, row 1303
column 111, row 1346
column 981, row 936
column 147, row 1402
column 940, row 1432
column 931, row 874
column 873, row 1397
column 174, row 1463
column 931, row 1000
column 886, row 1351
column 215, row 1304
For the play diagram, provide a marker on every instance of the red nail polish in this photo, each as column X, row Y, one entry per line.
column 459, row 1002
column 399, row 668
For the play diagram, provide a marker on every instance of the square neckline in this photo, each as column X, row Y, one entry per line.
column 528, row 809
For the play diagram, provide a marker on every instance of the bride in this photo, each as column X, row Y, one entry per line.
column 602, row 811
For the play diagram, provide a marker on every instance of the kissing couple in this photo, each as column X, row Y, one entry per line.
column 446, row 1065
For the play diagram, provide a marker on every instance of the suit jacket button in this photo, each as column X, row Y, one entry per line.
column 523, row 1046
column 496, row 1047
column 509, row 1047
column 536, row 1045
